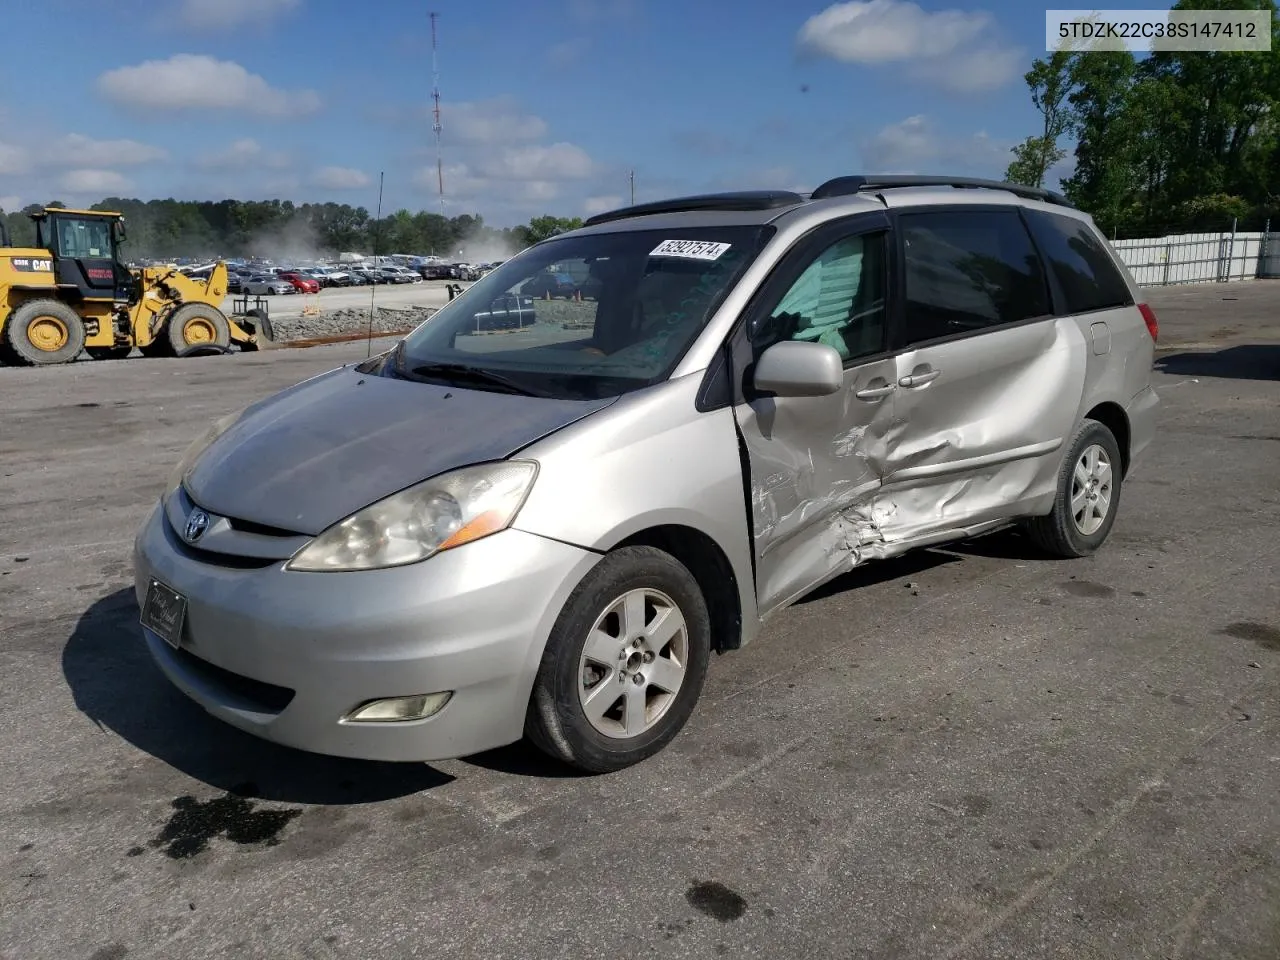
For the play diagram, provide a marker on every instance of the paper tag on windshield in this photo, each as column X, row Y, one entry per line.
column 690, row 249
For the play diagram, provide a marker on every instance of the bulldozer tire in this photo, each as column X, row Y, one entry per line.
column 197, row 324
column 108, row 353
column 42, row 332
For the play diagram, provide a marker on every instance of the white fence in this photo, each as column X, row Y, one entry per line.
column 1201, row 257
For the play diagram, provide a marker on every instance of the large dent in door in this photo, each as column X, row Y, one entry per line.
column 992, row 434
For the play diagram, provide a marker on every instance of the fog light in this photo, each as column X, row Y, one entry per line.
column 394, row 709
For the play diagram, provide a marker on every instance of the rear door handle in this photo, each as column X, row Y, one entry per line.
column 875, row 393
column 919, row 379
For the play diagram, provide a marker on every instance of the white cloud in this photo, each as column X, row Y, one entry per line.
column 14, row 160
column 244, row 154
column 225, row 14
column 594, row 205
column 956, row 49
column 11, row 203
column 486, row 122
column 554, row 162
column 339, row 178
column 914, row 145
column 77, row 150
column 568, row 52
column 98, row 182
column 196, row 82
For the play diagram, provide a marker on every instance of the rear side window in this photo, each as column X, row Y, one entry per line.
column 969, row 270
column 1082, row 266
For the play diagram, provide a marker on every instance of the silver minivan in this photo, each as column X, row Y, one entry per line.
column 544, row 529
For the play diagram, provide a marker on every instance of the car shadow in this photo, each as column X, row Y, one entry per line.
column 880, row 571
column 1253, row 361
column 1006, row 544
column 115, row 683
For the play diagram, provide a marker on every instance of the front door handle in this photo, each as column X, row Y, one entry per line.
column 875, row 393
column 919, row 379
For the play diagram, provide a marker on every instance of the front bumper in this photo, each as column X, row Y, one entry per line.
column 285, row 655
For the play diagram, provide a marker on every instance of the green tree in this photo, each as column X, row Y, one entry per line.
column 544, row 227
column 1050, row 83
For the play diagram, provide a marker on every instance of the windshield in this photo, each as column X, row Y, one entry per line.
column 584, row 317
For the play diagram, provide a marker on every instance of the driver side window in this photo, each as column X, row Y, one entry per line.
column 838, row 300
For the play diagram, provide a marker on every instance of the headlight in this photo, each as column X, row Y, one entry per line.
column 416, row 523
column 179, row 472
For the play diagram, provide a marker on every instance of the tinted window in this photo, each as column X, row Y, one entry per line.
column 838, row 300
column 967, row 270
column 1082, row 266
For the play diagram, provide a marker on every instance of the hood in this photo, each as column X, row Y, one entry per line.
column 319, row 451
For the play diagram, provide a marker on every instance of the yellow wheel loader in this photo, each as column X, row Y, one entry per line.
column 71, row 293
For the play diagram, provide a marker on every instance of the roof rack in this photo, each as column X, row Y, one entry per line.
column 847, row 186
column 740, row 200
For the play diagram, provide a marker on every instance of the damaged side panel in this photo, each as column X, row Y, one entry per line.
column 983, row 440
column 816, row 465
column 838, row 480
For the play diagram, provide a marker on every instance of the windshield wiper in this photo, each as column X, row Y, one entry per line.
column 461, row 373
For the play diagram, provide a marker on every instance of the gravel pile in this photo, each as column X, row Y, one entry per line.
column 334, row 323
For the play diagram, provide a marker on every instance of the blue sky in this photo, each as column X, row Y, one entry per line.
column 546, row 105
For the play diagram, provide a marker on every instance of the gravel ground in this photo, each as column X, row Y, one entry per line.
column 391, row 320
column 334, row 323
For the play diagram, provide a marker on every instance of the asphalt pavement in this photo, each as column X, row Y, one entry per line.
column 968, row 752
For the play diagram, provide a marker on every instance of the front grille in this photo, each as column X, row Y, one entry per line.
column 261, row 529
column 267, row 697
column 234, row 561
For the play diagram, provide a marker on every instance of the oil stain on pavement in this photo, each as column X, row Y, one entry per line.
column 716, row 900
column 195, row 823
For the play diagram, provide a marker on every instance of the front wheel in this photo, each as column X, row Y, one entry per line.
column 624, row 664
column 1088, row 496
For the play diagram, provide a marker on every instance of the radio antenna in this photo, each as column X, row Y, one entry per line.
column 435, row 114
column 377, row 230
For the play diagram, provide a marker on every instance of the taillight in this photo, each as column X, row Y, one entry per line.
column 1149, row 316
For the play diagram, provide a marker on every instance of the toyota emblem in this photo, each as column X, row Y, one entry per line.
column 197, row 524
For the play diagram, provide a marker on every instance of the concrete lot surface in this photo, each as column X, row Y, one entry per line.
column 970, row 752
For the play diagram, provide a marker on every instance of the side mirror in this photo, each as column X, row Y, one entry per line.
column 795, row 368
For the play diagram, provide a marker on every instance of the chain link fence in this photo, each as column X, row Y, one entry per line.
column 1217, row 257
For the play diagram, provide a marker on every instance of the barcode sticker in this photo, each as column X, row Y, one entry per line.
column 690, row 249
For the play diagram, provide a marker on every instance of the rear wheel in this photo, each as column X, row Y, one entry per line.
column 624, row 664
column 197, row 325
column 1088, row 496
column 42, row 332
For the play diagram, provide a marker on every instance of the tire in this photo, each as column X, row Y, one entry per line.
column 44, row 332
column 557, row 721
column 195, row 324
column 1091, row 479
column 108, row 353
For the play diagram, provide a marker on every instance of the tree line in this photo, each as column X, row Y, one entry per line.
column 1175, row 142
column 280, row 228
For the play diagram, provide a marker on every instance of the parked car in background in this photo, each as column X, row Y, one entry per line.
column 394, row 274
column 301, row 282
column 267, row 285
